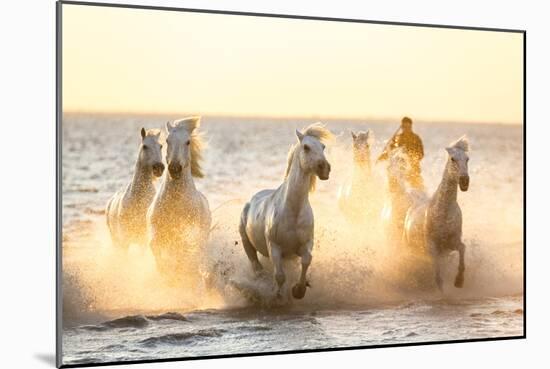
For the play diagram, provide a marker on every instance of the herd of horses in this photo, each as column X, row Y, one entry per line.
column 174, row 218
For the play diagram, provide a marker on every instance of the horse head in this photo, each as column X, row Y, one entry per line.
column 457, row 163
column 150, row 153
column 311, row 150
column 362, row 143
column 183, row 147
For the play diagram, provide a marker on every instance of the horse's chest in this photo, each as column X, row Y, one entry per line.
column 444, row 227
column 175, row 215
column 290, row 232
column 133, row 210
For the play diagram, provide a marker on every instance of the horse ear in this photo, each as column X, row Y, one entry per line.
column 168, row 127
column 449, row 150
column 143, row 133
column 353, row 135
column 300, row 135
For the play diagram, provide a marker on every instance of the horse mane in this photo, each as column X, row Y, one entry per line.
column 318, row 131
column 191, row 124
column 152, row 132
column 462, row 143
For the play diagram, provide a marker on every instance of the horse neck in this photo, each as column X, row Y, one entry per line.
column 446, row 193
column 296, row 187
column 142, row 179
column 179, row 188
column 361, row 168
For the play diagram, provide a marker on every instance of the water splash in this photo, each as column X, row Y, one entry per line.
column 353, row 264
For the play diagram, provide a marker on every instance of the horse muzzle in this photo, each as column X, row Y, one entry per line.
column 158, row 169
column 464, row 183
column 323, row 171
column 175, row 170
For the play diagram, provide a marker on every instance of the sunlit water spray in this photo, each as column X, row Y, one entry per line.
column 353, row 264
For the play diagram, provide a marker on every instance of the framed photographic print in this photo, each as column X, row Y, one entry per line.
column 238, row 184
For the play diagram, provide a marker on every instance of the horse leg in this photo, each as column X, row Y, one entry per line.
column 277, row 259
column 119, row 241
column 113, row 232
column 438, row 278
column 459, row 280
column 299, row 289
column 156, row 247
column 436, row 259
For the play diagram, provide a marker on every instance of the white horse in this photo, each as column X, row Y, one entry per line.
column 400, row 196
column 179, row 216
column 127, row 208
column 436, row 225
column 279, row 223
column 357, row 199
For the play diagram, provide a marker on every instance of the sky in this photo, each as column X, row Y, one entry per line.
column 151, row 61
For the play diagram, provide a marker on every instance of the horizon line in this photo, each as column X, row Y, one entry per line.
column 386, row 119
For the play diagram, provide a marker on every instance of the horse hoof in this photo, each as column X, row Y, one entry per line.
column 298, row 291
column 459, row 281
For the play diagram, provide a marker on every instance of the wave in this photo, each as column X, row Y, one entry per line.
column 253, row 329
column 134, row 321
column 168, row 316
column 179, row 338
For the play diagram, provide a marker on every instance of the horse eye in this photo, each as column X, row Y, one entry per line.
column 188, row 142
column 323, row 146
column 160, row 146
column 453, row 159
column 306, row 148
column 145, row 147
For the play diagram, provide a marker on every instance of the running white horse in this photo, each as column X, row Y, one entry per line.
column 127, row 209
column 279, row 223
column 436, row 225
column 179, row 216
column 400, row 196
column 357, row 198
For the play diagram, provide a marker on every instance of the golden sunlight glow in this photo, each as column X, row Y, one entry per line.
column 150, row 61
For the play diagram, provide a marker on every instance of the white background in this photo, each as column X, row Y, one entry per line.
column 27, row 205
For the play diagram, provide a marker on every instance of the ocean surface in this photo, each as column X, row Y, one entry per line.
column 365, row 291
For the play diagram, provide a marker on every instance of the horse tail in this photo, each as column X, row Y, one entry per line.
column 248, row 247
column 244, row 220
column 247, row 244
column 108, row 212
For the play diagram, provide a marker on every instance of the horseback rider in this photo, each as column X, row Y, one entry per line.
column 413, row 147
